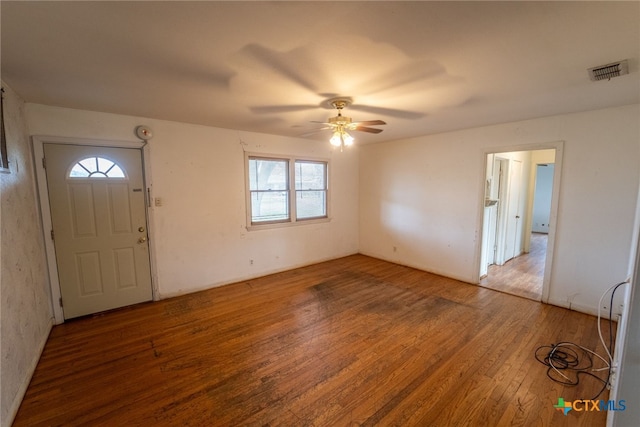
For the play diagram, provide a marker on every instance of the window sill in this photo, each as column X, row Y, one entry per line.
column 255, row 227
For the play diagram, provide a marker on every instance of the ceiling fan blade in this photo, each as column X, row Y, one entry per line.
column 388, row 112
column 371, row 122
column 324, row 123
column 275, row 60
column 268, row 109
column 366, row 129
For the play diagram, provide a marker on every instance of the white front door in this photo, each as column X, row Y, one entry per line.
column 98, row 212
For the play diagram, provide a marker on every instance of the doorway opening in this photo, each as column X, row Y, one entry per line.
column 517, row 227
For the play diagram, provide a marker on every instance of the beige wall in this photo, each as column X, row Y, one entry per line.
column 25, row 308
column 198, row 236
column 422, row 196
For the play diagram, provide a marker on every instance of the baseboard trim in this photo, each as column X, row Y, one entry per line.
column 418, row 267
column 242, row 278
column 586, row 309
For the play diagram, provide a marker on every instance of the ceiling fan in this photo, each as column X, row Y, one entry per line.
column 340, row 124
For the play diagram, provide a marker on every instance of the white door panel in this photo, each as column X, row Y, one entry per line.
column 99, row 224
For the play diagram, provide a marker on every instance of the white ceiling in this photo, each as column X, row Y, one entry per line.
column 423, row 67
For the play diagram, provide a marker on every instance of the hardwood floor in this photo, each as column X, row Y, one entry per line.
column 522, row 275
column 350, row 342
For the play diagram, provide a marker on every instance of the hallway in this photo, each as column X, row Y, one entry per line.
column 521, row 276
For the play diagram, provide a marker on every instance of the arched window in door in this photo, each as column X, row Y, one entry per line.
column 96, row 167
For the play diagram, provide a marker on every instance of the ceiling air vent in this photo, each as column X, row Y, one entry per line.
column 607, row 72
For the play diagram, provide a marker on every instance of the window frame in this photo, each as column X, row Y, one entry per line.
column 293, row 219
column 95, row 175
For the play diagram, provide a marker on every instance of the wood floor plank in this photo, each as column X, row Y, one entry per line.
column 523, row 274
column 353, row 341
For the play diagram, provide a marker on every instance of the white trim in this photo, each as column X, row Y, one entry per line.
column 86, row 141
column 270, row 225
column 38, row 142
column 553, row 216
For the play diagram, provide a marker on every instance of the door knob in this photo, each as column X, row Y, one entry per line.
column 142, row 240
column 141, row 229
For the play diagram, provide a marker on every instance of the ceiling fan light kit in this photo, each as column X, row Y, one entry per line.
column 341, row 138
column 341, row 124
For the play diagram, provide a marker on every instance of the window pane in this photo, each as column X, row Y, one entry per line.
column 104, row 164
column 269, row 206
column 311, row 175
column 115, row 172
column 78, row 172
column 311, row 204
column 90, row 163
column 268, row 174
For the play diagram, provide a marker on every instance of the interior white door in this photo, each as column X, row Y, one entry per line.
column 513, row 234
column 98, row 212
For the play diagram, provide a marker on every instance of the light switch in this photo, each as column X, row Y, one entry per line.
column 158, row 201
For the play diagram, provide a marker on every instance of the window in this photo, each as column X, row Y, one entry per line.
column 273, row 200
column 96, row 167
column 269, row 187
column 311, row 189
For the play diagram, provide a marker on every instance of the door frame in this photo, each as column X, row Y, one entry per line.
column 38, row 142
column 553, row 215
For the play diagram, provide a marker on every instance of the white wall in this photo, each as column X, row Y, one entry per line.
column 26, row 314
column 198, row 236
column 423, row 196
column 537, row 157
column 542, row 198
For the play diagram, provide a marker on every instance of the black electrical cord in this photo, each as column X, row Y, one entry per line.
column 564, row 357
column 613, row 292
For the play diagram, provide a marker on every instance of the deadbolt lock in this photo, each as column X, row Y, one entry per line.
column 141, row 229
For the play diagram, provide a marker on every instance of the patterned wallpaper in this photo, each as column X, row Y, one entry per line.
column 25, row 310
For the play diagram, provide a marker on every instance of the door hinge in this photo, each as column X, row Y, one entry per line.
column 52, row 238
column 44, row 163
column 60, row 301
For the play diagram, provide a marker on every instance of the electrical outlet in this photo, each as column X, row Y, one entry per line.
column 395, row 249
column 250, row 262
column 158, row 201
